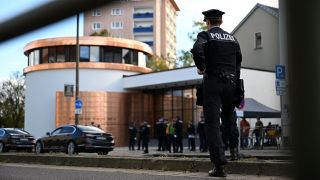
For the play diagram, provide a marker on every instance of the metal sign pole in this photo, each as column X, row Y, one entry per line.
column 77, row 69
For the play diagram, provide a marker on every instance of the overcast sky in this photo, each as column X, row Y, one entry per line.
column 11, row 52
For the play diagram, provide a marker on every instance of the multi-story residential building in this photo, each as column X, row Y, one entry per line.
column 150, row 21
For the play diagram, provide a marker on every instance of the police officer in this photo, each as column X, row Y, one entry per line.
column 145, row 131
column 191, row 136
column 178, row 126
column 161, row 133
column 218, row 57
column 202, row 135
column 132, row 135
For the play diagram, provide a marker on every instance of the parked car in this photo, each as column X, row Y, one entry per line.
column 16, row 139
column 76, row 138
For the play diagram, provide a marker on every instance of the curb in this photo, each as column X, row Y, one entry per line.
column 261, row 168
column 243, row 156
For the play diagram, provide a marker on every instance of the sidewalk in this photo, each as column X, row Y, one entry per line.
column 266, row 162
column 267, row 153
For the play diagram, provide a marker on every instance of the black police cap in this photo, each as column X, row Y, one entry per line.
column 212, row 14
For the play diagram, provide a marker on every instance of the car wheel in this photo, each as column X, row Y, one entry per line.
column 39, row 148
column 71, row 148
column 105, row 152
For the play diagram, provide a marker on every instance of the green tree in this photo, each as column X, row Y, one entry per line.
column 103, row 32
column 197, row 26
column 185, row 58
column 157, row 63
column 12, row 101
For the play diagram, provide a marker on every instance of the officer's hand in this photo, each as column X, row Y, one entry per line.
column 200, row 72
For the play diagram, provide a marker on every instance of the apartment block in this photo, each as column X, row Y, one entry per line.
column 150, row 21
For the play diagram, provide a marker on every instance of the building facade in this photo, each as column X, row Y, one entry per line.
column 117, row 88
column 103, row 63
column 150, row 21
column 258, row 35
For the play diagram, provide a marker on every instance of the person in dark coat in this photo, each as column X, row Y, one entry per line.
column 191, row 136
column 145, row 131
column 202, row 136
column 161, row 133
column 132, row 135
column 178, row 126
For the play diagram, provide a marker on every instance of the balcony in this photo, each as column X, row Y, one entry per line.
column 142, row 29
column 143, row 15
column 150, row 43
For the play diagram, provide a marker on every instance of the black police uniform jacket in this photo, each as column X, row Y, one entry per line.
column 216, row 50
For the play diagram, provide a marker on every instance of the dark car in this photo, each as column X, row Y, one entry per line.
column 76, row 138
column 16, row 139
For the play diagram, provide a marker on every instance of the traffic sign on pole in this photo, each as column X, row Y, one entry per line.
column 280, row 72
column 78, row 104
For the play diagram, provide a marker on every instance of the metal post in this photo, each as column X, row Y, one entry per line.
column 77, row 69
column 284, row 99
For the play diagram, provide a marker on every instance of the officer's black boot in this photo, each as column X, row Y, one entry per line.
column 218, row 171
column 234, row 154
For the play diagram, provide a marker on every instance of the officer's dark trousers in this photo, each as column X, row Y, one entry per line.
column 131, row 143
column 203, row 142
column 178, row 144
column 145, row 144
column 219, row 95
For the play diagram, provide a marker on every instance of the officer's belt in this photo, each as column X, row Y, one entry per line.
column 222, row 75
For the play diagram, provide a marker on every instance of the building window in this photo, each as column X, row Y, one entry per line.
column 72, row 53
column 116, row 25
column 94, row 53
column 44, row 56
column 61, row 54
column 111, row 54
column 116, row 11
column 96, row 26
column 31, row 58
column 52, row 54
column 258, row 40
column 36, row 57
column 96, row 12
column 84, row 53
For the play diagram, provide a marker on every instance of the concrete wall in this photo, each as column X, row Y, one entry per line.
column 41, row 87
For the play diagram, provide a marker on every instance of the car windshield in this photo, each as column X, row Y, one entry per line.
column 91, row 129
column 17, row 131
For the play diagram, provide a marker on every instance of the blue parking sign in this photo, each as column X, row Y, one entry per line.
column 78, row 104
column 280, row 72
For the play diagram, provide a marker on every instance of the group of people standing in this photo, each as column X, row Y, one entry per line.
column 270, row 133
column 169, row 134
column 144, row 136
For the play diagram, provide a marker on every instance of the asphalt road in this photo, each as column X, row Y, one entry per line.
column 44, row 172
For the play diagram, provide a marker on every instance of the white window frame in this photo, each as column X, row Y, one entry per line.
column 256, row 36
column 96, row 12
column 116, row 11
column 116, row 25
column 94, row 26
